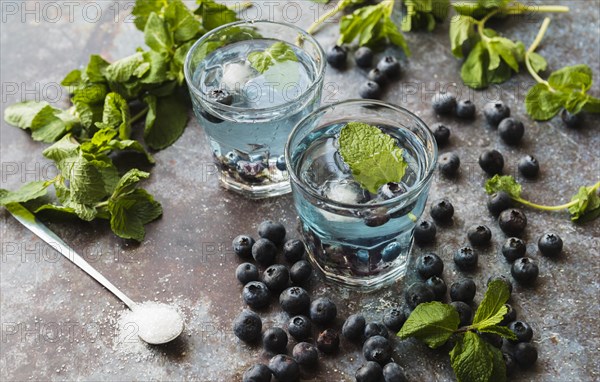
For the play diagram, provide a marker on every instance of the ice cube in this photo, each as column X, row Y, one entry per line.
column 345, row 191
column 236, row 75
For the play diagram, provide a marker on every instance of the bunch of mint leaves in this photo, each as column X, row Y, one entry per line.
column 100, row 122
column 472, row 357
column 584, row 205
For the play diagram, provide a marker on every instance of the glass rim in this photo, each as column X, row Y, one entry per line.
column 195, row 90
column 406, row 196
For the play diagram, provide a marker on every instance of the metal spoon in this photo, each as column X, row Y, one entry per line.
column 34, row 225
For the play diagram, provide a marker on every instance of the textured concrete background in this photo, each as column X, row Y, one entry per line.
column 57, row 324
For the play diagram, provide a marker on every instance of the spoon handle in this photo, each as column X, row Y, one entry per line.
column 34, row 225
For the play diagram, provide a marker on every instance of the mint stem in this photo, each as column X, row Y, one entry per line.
column 139, row 115
column 532, row 48
column 332, row 12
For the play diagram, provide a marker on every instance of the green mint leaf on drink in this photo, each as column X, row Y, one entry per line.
column 373, row 156
column 491, row 310
column 433, row 323
column 277, row 53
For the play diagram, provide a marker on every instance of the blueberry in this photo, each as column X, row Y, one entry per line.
column 392, row 372
column 256, row 294
column 370, row 90
column 443, row 103
column 394, row 318
column 275, row 340
column 264, row 251
column 466, row 258
column 373, row 329
column 377, row 349
column 247, row 272
column 336, row 57
column 429, row 265
column 391, row 190
column 465, row 312
column 389, row 66
column 493, row 339
column 323, row 311
column 257, row 373
column 479, row 235
column 572, row 121
column 391, row 251
column 377, row 76
column 300, row 272
column 284, row 368
column 509, row 363
column 550, row 244
column 512, row 222
column 424, row 233
column 280, row 164
column 495, row 112
column 362, row 255
column 242, row 246
column 276, row 277
column 463, row 290
column 513, row 248
column 363, row 57
column 492, row 162
column 510, row 316
column 247, row 326
column 525, row 270
column 328, row 341
column 369, row 372
column 498, row 202
column 294, row 300
column 441, row 133
column 529, row 167
column 272, row 231
column 418, row 293
column 306, row 354
column 249, row 170
column 293, row 250
column 300, row 328
column 502, row 278
column 465, row 109
column 511, row 131
column 438, row 286
column 442, row 211
column 221, row 96
column 231, row 159
column 525, row 354
column 449, row 163
column 354, row 327
column 376, row 217
column 522, row 331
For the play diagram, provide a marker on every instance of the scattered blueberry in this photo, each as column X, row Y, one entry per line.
column 509, row 363
column 424, row 233
column 377, row 76
column 498, row 202
column 272, row 231
column 466, row 258
column 525, row 270
column 463, row 290
column 513, row 248
column 465, row 312
column 479, row 235
column 280, row 164
column 354, row 327
column 373, row 329
column 550, row 244
column 522, row 330
column 492, row 162
column 300, row 272
column 525, row 354
column 449, row 163
column 370, row 90
column 294, row 300
column 389, row 66
column 242, row 246
column 529, row 167
column 512, row 222
column 418, row 293
column 363, row 57
column 391, row 251
column 369, row 372
column 442, row 211
column 275, row 340
column 293, row 250
column 362, row 255
column 510, row 316
column 391, row 190
column 495, row 112
column 441, row 134
column 336, row 57
column 300, row 328
column 572, row 121
column 264, row 251
column 256, row 294
column 276, row 277
column 429, row 265
column 377, row 349
column 257, row 373
column 392, row 372
column 306, row 354
column 511, row 131
column 438, row 286
column 465, row 109
column 247, row 272
column 247, row 326
column 322, row 311
column 394, row 318
column 443, row 103
column 328, row 341
column 502, row 278
column 284, row 368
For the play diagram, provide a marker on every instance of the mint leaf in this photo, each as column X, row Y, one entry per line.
column 124, row 69
column 95, row 71
column 50, row 124
column 29, row 191
column 181, row 22
column 156, row 34
column 588, row 203
column 116, row 115
column 129, row 181
column 166, row 120
column 277, row 53
column 373, row 156
column 572, row 78
column 541, row 103
column 72, row 79
column 143, row 9
column 499, row 330
column 471, row 359
column 500, row 47
column 214, row 14
column 474, row 69
column 64, row 152
column 538, row 62
column 91, row 178
column 504, row 183
column 491, row 310
column 159, row 65
column 432, row 322
column 461, row 28
column 22, row 114
column 423, row 14
column 498, row 365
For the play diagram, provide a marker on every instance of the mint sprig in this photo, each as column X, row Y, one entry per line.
column 373, row 156
column 424, row 14
column 472, row 358
column 277, row 53
column 584, row 205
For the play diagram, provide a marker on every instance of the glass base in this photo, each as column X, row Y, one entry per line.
column 255, row 191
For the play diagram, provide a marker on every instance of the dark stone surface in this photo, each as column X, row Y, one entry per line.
column 57, row 324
